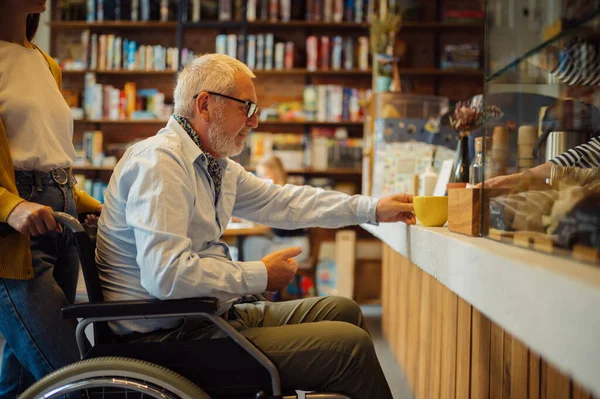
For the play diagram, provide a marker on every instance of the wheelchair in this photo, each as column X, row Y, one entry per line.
column 230, row 367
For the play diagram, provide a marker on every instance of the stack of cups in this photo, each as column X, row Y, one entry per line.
column 528, row 136
column 501, row 149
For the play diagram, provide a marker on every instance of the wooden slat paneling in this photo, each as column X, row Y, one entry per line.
column 463, row 349
column 414, row 313
column 496, row 361
column 449, row 344
column 436, row 339
column 507, row 360
column 425, row 336
column 534, row 376
column 403, row 321
column 519, row 370
column 385, row 289
column 557, row 384
column 480, row 356
column 448, row 349
column 579, row 392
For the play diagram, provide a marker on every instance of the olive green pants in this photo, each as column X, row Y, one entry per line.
column 318, row 344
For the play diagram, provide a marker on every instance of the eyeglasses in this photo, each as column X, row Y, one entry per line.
column 251, row 108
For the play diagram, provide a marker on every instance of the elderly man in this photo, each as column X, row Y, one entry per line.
column 167, row 205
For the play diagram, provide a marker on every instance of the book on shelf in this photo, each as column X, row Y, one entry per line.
column 333, row 103
column 94, row 187
column 324, row 52
column 321, row 149
column 108, row 102
column 338, row 10
column 115, row 53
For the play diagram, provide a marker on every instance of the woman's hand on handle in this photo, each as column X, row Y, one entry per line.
column 32, row 219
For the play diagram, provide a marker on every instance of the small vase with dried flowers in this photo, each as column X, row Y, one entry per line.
column 383, row 33
column 468, row 116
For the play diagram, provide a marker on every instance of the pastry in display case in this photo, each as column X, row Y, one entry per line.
column 543, row 71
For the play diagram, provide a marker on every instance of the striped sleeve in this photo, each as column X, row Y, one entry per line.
column 583, row 156
column 579, row 64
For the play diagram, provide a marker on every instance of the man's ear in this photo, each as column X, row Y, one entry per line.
column 201, row 106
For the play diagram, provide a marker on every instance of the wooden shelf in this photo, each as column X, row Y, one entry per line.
column 121, row 121
column 440, row 72
column 294, row 24
column 93, row 168
column 118, row 72
column 112, row 24
column 308, row 123
column 304, row 72
column 330, row 171
column 300, row 72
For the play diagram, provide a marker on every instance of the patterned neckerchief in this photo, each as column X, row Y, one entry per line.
column 214, row 170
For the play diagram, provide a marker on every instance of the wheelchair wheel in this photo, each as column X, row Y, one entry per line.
column 114, row 377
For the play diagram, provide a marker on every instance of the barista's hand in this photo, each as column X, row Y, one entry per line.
column 32, row 219
column 281, row 268
column 507, row 181
column 396, row 208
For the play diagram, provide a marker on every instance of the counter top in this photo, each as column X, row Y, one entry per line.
column 552, row 304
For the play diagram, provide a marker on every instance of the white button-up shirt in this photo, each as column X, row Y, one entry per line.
column 160, row 232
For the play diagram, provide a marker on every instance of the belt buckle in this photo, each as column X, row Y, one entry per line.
column 60, row 176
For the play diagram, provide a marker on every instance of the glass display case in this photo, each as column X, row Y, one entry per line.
column 541, row 174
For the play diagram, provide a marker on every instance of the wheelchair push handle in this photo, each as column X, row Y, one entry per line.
column 69, row 221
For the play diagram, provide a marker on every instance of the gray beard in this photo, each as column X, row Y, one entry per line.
column 222, row 142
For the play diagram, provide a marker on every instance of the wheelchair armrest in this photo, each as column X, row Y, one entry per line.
column 152, row 307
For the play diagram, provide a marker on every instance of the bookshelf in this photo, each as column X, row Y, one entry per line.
column 424, row 38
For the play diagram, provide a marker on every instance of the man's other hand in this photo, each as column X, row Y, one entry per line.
column 281, row 268
column 396, row 208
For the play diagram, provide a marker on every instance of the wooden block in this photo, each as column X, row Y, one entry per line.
column 414, row 313
column 501, row 235
column 480, row 355
column 449, row 321
column 464, row 210
column 579, row 392
column 507, row 366
column 543, row 244
column 523, row 239
column 425, row 335
column 436, row 338
column 496, row 361
column 585, row 254
column 463, row 349
column 534, row 376
column 519, row 370
column 557, row 384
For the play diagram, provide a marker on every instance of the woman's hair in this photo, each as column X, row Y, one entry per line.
column 275, row 164
column 33, row 21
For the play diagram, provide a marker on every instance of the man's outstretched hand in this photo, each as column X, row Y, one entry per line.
column 396, row 208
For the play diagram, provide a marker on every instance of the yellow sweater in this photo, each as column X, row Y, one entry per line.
column 15, row 256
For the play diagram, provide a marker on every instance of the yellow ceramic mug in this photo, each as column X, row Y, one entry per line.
column 431, row 211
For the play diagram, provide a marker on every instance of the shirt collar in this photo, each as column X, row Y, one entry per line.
column 190, row 150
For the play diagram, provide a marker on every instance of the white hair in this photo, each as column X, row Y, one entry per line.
column 210, row 72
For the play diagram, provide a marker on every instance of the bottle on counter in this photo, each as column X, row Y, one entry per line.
column 476, row 170
column 427, row 181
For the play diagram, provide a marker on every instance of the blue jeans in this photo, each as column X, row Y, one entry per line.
column 38, row 341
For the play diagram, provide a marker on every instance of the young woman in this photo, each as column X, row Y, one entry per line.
column 38, row 261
